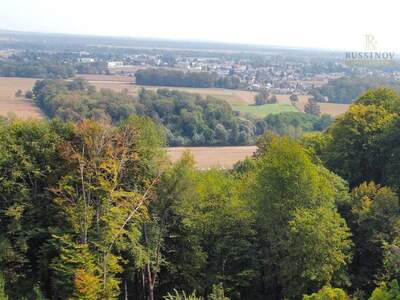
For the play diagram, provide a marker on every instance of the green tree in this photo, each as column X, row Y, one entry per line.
column 328, row 293
column 3, row 295
column 28, row 95
column 373, row 219
column 262, row 97
column 391, row 258
column 294, row 99
column 273, row 99
column 183, row 257
column 218, row 216
column 209, row 232
column 319, row 240
column 389, row 162
column 218, row 293
column 386, row 292
column 312, row 107
column 354, row 152
column 29, row 166
column 292, row 192
column 103, row 197
column 387, row 98
column 182, row 296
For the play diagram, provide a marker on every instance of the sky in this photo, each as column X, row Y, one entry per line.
column 327, row 24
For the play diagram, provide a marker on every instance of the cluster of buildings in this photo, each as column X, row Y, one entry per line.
column 283, row 76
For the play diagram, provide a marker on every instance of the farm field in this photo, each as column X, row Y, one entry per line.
column 208, row 157
column 119, row 83
column 333, row 109
column 18, row 107
column 107, row 78
column 263, row 110
column 231, row 96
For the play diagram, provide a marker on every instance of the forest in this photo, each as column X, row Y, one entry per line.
column 187, row 118
column 94, row 210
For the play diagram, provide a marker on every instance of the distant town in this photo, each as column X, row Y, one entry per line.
column 281, row 71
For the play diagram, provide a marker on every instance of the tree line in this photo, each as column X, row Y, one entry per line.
column 295, row 124
column 348, row 89
column 167, row 77
column 44, row 65
column 362, row 147
column 35, row 70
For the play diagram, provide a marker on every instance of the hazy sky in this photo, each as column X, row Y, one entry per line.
column 337, row 24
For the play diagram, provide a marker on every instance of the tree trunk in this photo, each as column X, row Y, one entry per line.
column 126, row 290
column 151, row 292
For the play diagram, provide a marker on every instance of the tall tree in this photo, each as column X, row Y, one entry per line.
column 29, row 166
column 294, row 99
column 312, row 107
column 290, row 194
column 373, row 218
column 103, row 197
column 354, row 151
column 261, row 97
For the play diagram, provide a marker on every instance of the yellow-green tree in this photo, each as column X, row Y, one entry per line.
column 328, row 293
column 103, row 198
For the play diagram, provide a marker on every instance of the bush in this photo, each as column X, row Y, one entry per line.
column 328, row 293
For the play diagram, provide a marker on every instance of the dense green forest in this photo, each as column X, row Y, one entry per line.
column 165, row 77
column 295, row 123
column 348, row 89
column 188, row 119
column 193, row 120
column 91, row 210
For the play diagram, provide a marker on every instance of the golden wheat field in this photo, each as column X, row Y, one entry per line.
column 107, row 78
column 208, row 157
column 10, row 105
column 333, row 109
column 231, row 96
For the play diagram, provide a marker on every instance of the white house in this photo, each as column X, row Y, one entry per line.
column 115, row 64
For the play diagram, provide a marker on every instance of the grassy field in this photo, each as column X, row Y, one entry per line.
column 208, row 157
column 19, row 107
column 264, row 110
